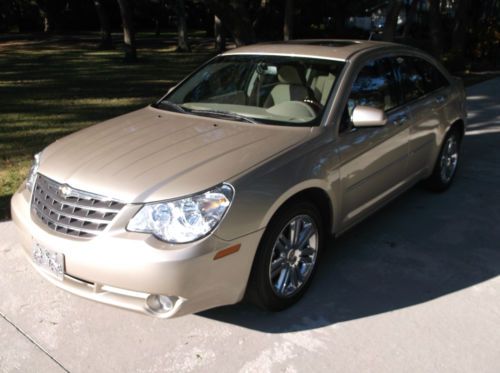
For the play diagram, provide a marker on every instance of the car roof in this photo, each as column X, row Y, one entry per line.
column 336, row 49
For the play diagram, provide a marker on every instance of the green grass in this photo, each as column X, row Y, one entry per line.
column 52, row 88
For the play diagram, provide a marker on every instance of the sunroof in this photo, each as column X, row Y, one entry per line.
column 324, row 43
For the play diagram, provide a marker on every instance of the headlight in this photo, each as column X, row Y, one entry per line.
column 184, row 220
column 30, row 181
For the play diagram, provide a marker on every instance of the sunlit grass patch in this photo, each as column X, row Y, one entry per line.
column 50, row 89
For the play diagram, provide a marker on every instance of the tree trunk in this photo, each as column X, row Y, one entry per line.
column 391, row 20
column 47, row 14
column 411, row 16
column 47, row 23
column 459, row 32
column 288, row 24
column 235, row 18
column 128, row 31
column 220, row 38
column 340, row 9
column 106, row 41
column 158, row 16
column 435, row 28
column 182, row 39
column 260, row 14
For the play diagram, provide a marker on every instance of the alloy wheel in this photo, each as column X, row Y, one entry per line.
column 293, row 256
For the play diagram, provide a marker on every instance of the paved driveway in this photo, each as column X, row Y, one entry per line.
column 416, row 287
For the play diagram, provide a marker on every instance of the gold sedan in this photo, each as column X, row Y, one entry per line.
column 230, row 185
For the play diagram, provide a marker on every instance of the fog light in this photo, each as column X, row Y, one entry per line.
column 159, row 303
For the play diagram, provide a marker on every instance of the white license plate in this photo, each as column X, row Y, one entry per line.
column 51, row 261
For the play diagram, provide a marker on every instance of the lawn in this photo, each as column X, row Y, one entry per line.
column 52, row 87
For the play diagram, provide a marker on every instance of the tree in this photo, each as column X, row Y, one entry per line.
column 288, row 24
column 236, row 20
column 459, row 32
column 106, row 40
column 50, row 11
column 411, row 15
column 182, row 40
column 220, row 38
column 260, row 14
column 391, row 20
column 435, row 28
column 128, row 31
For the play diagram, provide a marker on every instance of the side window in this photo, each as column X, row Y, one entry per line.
column 418, row 77
column 375, row 86
column 433, row 79
column 412, row 81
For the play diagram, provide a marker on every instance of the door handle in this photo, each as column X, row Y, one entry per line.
column 400, row 120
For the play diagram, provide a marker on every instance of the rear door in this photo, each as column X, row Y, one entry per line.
column 373, row 160
column 425, row 91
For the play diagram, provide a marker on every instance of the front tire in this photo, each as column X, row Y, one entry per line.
column 287, row 257
column 447, row 162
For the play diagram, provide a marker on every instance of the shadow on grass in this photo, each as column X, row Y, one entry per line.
column 51, row 87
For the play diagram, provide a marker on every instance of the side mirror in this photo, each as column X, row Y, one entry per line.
column 367, row 116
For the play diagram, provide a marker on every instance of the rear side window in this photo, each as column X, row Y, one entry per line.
column 433, row 79
column 418, row 77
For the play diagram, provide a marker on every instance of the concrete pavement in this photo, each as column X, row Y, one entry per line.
column 416, row 287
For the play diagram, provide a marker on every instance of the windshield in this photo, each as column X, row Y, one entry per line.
column 258, row 88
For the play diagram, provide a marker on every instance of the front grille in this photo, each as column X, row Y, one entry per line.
column 70, row 211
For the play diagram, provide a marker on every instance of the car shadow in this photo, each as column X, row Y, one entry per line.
column 419, row 247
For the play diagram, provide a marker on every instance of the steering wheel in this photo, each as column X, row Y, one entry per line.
column 314, row 104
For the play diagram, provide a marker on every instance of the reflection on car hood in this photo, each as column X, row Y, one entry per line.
column 149, row 154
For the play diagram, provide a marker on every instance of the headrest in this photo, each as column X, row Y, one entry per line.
column 289, row 75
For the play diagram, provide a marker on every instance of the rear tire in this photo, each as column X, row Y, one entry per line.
column 287, row 257
column 447, row 163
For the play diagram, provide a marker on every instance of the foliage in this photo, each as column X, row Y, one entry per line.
column 462, row 32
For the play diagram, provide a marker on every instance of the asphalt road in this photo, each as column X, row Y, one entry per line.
column 416, row 287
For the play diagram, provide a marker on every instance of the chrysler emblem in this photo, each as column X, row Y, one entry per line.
column 65, row 191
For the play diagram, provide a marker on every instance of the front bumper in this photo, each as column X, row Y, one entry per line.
column 123, row 268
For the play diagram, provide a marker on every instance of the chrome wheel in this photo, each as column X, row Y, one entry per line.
column 449, row 159
column 293, row 256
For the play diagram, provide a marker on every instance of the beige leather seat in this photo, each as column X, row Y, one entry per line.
column 289, row 88
column 321, row 86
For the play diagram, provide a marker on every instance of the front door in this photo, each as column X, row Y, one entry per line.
column 373, row 160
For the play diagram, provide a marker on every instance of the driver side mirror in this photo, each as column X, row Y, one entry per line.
column 367, row 116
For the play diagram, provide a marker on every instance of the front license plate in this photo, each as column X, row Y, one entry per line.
column 51, row 261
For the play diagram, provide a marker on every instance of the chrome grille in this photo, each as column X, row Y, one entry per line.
column 72, row 211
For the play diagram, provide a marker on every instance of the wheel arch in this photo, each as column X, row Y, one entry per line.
column 460, row 126
column 316, row 194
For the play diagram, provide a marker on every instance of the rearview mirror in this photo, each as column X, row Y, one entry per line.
column 367, row 116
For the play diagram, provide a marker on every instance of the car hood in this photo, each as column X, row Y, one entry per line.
column 150, row 155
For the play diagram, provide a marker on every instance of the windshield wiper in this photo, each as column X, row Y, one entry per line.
column 220, row 113
column 172, row 105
